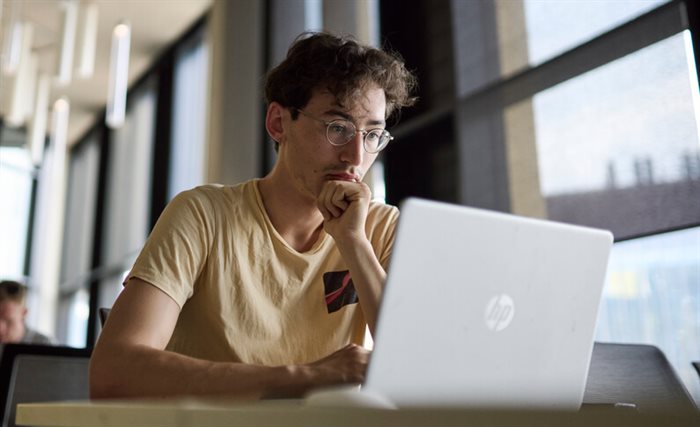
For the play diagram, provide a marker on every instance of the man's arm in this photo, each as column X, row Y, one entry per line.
column 344, row 206
column 129, row 359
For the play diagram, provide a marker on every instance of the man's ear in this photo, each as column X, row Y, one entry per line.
column 274, row 121
column 24, row 313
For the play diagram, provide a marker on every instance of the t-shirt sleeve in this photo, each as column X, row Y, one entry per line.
column 178, row 247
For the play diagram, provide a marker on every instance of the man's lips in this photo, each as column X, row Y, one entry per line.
column 343, row 177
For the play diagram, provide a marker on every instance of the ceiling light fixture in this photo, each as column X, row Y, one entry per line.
column 12, row 50
column 21, row 86
column 37, row 133
column 32, row 73
column 70, row 23
column 59, row 129
column 118, row 75
column 89, row 40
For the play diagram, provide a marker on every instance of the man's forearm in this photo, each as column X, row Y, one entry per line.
column 127, row 371
column 141, row 371
column 367, row 274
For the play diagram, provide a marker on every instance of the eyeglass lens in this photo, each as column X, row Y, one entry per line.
column 339, row 132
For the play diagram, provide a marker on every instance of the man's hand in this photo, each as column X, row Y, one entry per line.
column 344, row 206
column 346, row 366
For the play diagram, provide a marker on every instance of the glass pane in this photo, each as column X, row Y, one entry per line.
column 189, row 117
column 15, row 193
column 78, row 236
column 80, row 213
column 73, row 313
column 618, row 147
column 554, row 27
column 652, row 296
column 128, row 205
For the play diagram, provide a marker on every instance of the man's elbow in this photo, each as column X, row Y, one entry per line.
column 104, row 379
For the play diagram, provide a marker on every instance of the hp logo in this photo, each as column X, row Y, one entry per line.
column 499, row 312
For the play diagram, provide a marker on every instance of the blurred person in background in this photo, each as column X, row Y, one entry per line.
column 13, row 313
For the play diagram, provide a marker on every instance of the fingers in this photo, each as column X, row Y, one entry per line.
column 347, row 365
column 353, row 360
column 335, row 202
column 332, row 200
column 336, row 197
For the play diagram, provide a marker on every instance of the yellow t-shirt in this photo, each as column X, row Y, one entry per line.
column 245, row 294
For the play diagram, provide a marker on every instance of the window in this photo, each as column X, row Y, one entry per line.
column 618, row 147
column 652, row 296
column 127, row 209
column 189, row 116
column 578, row 111
column 16, row 181
column 128, row 195
column 78, row 241
column 553, row 27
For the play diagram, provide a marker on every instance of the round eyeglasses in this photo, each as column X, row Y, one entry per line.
column 340, row 132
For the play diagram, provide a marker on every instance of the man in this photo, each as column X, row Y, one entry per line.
column 265, row 288
column 13, row 313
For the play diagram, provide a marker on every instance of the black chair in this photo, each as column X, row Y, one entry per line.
column 38, row 373
column 635, row 374
column 103, row 314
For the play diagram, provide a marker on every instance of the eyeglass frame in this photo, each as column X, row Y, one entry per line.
column 365, row 132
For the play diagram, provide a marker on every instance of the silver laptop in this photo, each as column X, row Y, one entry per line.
column 490, row 310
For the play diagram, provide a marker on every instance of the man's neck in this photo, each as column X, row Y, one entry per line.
column 293, row 213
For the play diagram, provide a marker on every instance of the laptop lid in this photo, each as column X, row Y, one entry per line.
column 487, row 309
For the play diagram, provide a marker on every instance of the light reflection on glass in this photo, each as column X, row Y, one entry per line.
column 554, row 27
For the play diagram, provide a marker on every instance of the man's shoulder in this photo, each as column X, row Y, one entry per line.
column 215, row 194
column 381, row 208
column 382, row 212
column 34, row 337
column 213, row 190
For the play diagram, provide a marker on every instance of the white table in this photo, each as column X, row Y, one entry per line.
column 191, row 413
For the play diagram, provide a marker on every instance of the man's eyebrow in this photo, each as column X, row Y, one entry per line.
column 349, row 118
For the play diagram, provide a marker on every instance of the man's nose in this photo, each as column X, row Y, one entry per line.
column 353, row 152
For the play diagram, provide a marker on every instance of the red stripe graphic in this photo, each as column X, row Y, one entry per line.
column 335, row 294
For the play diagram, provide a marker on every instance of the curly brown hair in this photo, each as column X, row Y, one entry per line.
column 343, row 67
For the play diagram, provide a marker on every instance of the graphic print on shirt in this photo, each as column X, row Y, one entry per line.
column 340, row 290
